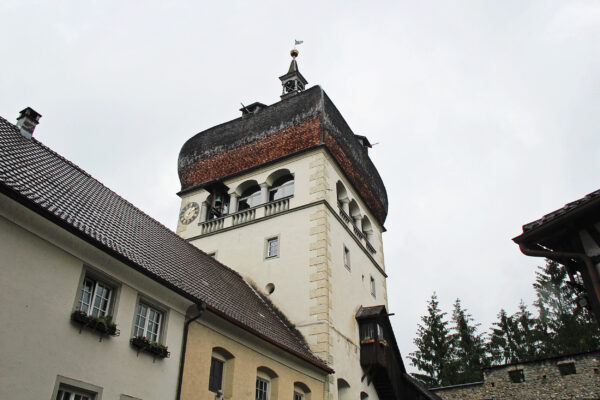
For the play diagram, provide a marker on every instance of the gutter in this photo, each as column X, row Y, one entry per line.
column 590, row 271
column 201, row 307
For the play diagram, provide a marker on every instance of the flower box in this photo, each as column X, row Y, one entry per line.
column 104, row 325
column 367, row 341
column 154, row 348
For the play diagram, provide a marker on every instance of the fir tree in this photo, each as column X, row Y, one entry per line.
column 434, row 348
column 469, row 346
column 501, row 344
column 525, row 336
column 563, row 326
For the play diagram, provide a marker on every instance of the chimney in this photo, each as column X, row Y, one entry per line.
column 251, row 109
column 27, row 121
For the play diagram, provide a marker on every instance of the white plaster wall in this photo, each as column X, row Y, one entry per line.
column 243, row 249
column 39, row 280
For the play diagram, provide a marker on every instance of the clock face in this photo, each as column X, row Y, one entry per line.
column 189, row 213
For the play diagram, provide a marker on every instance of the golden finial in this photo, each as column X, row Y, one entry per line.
column 294, row 53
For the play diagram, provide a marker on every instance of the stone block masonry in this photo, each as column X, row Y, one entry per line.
column 319, row 262
column 567, row 377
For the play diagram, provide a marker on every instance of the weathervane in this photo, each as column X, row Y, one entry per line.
column 294, row 53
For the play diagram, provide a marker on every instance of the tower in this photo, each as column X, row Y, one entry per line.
column 287, row 195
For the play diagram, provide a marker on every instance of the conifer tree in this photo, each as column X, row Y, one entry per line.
column 563, row 326
column 434, row 348
column 501, row 343
column 468, row 347
column 525, row 336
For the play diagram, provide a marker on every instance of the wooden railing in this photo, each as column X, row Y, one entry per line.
column 379, row 357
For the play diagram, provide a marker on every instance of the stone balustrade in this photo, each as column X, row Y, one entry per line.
column 245, row 216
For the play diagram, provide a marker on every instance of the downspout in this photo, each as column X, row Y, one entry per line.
column 589, row 266
column 201, row 307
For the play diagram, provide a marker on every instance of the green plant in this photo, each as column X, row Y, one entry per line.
column 155, row 348
column 102, row 324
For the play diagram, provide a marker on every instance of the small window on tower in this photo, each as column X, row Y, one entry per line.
column 272, row 247
column 373, row 292
column 347, row 258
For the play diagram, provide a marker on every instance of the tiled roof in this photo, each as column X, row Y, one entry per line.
column 44, row 181
column 567, row 209
column 291, row 111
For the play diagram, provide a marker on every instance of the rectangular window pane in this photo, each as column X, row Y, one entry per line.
column 101, row 298
column 153, row 324
column 272, row 247
column 86, row 295
column 216, row 375
column 262, row 389
column 298, row 396
column 140, row 320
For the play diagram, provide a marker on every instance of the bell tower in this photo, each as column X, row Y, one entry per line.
column 293, row 82
column 287, row 195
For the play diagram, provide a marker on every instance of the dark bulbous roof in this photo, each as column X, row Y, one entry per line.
column 311, row 104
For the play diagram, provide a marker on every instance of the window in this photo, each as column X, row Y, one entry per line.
column 222, row 366
column 71, row 389
column 215, row 381
column 347, row 258
column 567, row 368
column 65, row 393
column 516, row 376
column 262, row 389
column 249, row 198
column 94, row 298
column 301, row 391
column 373, row 293
column 148, row 322
column 272, row 247
column 282, row 187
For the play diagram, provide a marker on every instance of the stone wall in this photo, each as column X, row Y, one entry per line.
column 540, row 380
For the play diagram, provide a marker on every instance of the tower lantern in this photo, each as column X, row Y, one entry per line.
column 293, row 82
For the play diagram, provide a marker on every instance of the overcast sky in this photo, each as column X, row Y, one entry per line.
column 486, row 113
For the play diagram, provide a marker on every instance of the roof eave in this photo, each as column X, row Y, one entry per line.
column 546, row 228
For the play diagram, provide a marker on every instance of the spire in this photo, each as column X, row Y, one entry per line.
column 293, row 82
